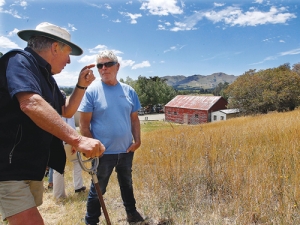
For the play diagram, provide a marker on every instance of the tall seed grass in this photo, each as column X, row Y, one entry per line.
column 240, row 171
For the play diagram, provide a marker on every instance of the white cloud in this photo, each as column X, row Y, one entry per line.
column 125, row 63
column 164, row 25
column 116, row 21
column 281, row 41
column 218, row 4
column 7, row 44
column 141, row 65
column 104, row 16
column 13, row 32
column 254, row 18
column 161, row 27
column 71, row 26
column 94, row 5
column 117, row 52
column 188, row 24
column 291, row 52
column 180, row 26
column 273, row 39
column 259, row 1
column 12, row 12
column 97, row 49
column 162, row 8
column 133, row 17
column 269, row 58
column 88, row 59
column 107, row 6
column 66, row 78
column 174, row 48
column 234, row 16
column 23, row 4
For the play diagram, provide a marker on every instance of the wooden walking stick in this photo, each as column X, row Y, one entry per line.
column 93, row 171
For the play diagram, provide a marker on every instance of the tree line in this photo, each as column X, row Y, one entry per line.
column 254, row 92
column 151, row 91
column 259, row 92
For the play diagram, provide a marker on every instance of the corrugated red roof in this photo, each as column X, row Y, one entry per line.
column 193, row 102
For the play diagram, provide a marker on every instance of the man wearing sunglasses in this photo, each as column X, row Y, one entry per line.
column 109, row 113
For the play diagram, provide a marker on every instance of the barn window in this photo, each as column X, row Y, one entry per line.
column 215, row 117
column 196, row 116
column 175, row 113
column 222, row 117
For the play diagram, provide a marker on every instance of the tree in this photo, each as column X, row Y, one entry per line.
column 267, row 90
column 219, row 90
column 67, row 90
column 296, row 68
column 128, row 81
column 153, row 91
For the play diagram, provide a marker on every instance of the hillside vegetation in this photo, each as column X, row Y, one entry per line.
column 275, row 89
column 240, row 171
column 197, row 82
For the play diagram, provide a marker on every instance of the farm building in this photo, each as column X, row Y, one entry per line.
column 193, row 109
column 224, row 114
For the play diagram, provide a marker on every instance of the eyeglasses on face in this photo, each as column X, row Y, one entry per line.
column 107, row 64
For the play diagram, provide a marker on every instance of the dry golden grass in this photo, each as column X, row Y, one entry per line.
column 240, row 171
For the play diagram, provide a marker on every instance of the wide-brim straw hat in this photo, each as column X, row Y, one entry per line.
column 51, row 31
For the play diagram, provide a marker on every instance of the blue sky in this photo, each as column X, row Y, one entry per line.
column 165, row 37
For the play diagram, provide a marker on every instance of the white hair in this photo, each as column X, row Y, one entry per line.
column 107, row 54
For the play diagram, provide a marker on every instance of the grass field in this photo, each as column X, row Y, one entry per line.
column 240, row 171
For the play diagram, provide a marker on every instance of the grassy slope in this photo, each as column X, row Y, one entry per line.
column 240, row 171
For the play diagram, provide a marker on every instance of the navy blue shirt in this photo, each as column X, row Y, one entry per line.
column 22, row 76
column 26, row 149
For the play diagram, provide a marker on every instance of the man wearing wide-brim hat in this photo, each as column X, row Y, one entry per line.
column 31, row 128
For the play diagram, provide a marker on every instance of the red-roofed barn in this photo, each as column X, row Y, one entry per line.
column 193, row 109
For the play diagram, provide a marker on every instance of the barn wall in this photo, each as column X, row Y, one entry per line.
column 194, row 114
column 219, row 105
column 188, row 116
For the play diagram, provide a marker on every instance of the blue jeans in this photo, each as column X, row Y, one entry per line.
column 123, row 167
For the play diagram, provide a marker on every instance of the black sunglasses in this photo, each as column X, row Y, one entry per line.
column 107, row 64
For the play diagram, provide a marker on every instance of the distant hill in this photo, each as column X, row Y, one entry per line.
column 196, row 82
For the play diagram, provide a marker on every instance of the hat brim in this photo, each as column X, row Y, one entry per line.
column 27, row 34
